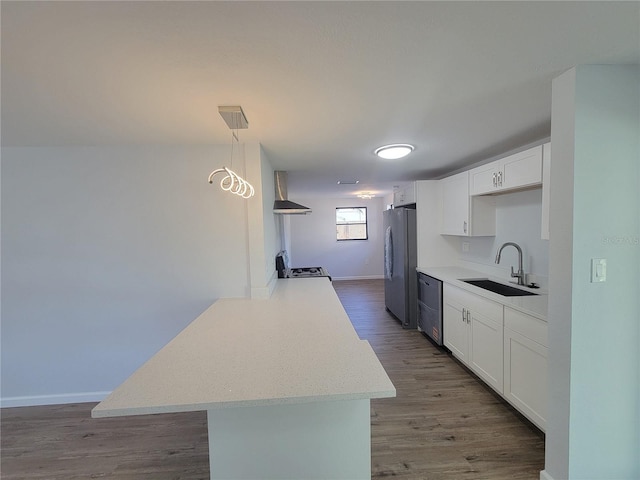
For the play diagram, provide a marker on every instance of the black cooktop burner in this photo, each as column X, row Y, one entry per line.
column 307, row 272
column 282, row 266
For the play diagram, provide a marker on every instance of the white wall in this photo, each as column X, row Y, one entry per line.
column 107, row 253
column 313, row 239
column 560, row 276
column 518, row 219
column 264, row 232
column 594, row 328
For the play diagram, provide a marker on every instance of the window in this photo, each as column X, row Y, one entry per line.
column 351, row 223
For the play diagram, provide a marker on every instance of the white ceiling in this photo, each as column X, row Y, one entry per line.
column 322, row 83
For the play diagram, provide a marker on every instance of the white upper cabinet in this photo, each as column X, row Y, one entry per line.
column 461, row 214
column 405, row 195
column 455, row 205
column 516, row 171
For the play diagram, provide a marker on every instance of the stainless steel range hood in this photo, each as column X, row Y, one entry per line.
column 283, row 205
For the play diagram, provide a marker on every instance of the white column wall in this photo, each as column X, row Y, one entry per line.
column 107, row 253
column 560, row 275
column 594, row 328
column 264, row 231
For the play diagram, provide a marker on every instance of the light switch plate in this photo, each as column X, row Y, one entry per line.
column 598, row 270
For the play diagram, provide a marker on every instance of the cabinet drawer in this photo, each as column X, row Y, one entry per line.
column 526, row 325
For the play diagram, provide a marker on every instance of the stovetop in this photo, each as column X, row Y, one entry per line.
column 303, row 272
column 284, row 271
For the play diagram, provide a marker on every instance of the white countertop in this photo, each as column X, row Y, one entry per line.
column 296, row 347
column 535, row 305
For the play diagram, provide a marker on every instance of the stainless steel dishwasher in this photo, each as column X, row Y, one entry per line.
column 430, row 307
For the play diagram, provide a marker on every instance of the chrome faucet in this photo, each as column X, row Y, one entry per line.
column 520, row 274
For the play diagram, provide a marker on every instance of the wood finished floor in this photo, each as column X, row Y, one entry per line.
column 444, row 424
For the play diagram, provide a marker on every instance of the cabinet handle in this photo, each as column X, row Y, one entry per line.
column 464, row 314
column 499, row 179
column 495, row 179
column 464, row 227
column 468, row 315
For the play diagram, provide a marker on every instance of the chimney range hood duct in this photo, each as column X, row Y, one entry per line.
column 282, row 205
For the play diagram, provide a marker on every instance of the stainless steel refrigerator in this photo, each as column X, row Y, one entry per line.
column 400, row 260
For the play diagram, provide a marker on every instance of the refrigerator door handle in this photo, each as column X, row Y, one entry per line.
column 388, row 254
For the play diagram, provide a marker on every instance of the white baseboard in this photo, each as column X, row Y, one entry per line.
column 366, row 277
column 545, row 476
column 34, row 400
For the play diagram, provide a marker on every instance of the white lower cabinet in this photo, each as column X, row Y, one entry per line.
column 506, row 348
column 525, row 365
column 455, row 328
column 486, row 348
column 473, row 332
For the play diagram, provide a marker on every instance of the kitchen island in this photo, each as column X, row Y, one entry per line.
column 286, row 383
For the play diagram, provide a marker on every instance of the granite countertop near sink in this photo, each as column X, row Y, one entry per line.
column 534, row 305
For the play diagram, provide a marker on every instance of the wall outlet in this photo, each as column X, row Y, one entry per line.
column 465, row 246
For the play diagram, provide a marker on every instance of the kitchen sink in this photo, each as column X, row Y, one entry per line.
column 498, row 288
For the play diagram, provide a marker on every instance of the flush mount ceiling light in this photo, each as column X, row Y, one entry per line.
column 232, row 182
column 394, row 151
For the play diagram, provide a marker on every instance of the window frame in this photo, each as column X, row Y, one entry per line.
column 366, row 224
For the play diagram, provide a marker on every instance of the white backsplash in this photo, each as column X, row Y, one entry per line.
column 518, row 219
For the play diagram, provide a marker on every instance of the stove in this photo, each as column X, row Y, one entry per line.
column 284, row 271
column 307, row 272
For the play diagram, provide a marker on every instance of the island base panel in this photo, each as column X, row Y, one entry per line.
column 311, row 440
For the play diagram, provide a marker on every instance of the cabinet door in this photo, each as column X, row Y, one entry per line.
column 521, row 169
column 454, row 324
column 410, row 193
column 398, row 198
column 483, row 179
column 455, row 205
column 525, row 376
column 486, row 348
column 405, row 195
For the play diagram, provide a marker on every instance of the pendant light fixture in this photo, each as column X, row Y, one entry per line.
column 231, row 181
